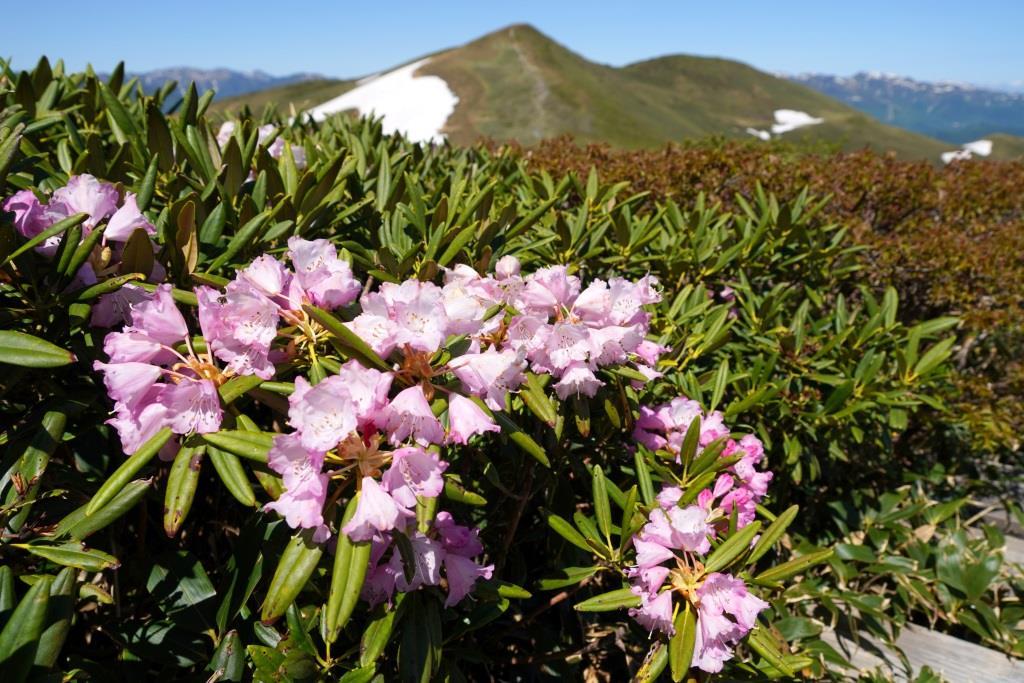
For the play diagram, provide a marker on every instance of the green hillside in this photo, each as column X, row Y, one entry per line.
column 517, row 83
column 1006, row 147
column 300, row 95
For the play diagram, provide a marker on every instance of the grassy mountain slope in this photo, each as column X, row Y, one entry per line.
column 1006, row 147
column 299, row 95
column 517, row 83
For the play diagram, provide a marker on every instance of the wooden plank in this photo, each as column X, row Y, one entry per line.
column 958, row 661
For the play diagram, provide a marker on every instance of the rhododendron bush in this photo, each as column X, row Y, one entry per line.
column 300, row 401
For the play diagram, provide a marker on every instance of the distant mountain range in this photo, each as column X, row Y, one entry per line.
column 954, row 112
column 226, row 82
column 518, row 84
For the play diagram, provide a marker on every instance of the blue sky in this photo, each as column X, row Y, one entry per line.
column 977, row 41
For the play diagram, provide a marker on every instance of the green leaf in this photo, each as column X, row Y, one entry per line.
column 245, row 444
column 55, row 229
column 351, row 561
column 18, row 348
column 378, row 632
column 763, row 644
column 733, row 547
column 228, row 663
column 72, row 555
column 602, row 507
column 680, row 648
column 567, row 531
column 612, row 600
column 232, row 475
column 567, row 576
column 516, row 435
column 235, row 387
column 58, row 619
column 181, row 487
column 419, row 651
column 21, row 633
column 127, row 470
column 789, row 569
column 80, row 526
column 347, row 341
column 297, row 563
column 773, row 533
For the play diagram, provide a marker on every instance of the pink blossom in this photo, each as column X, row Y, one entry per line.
column 462, row 573
column 419, row 314
column 506, row 267
column 158, row 318
column 649, row 352
column 490, row 375
column 305, row 485
column 192, row 406
column 409, row 415
column 368, row 392
column 128, row 383
column 375, row 512
column 83, row 194
column 126, row 220
column 115, row 307
column 428, row 556
column 239, row 327
column 323, row 415
column 267, row 275
column 30, row 219
column 466, row 419
column 414, row 474
column 577, row 379
column 655, row 614
column 326, row 279
column 679, row 528
column 374, row 325
column 721, row 595
column 549, row 289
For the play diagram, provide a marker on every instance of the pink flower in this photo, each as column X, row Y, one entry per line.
column 83, row 194
column 376, row 511
column 126, row 220
column 323, row 415
column 649, row 352
column 115, row 308
column 721, row 595
column 462, row 573
column 326, row 279
column 548, row 289
column 679, row 528
column 428, row 556
column 374, row 325
column 239, row 327
column 419, row 314
column 490, row 375
column 193, row 406
column 466, row 418
column 30, row 219
column 577, row 379
column 368, row 392
column 128, row 383
column 158, row 318
column 305, row 485
column 655, row 614
column 267, row 275
column 414, row 473
column 409, row 415
column 506, row 267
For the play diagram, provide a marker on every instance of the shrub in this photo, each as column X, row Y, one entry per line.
column 535, row 429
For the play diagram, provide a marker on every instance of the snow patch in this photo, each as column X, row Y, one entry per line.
column 980, row 147
column 415, row 106
column 785, row 121
column 968, row 150
column 791, row 119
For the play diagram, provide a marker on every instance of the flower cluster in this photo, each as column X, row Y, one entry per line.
column 742, row 486
column 104, row 204
column 379, row 429
column 157, row 378
column 343, row 426
column 265, row 134
column 670, row 546
column 555, row 328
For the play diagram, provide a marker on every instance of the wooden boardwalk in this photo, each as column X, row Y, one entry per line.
column 956, row 660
